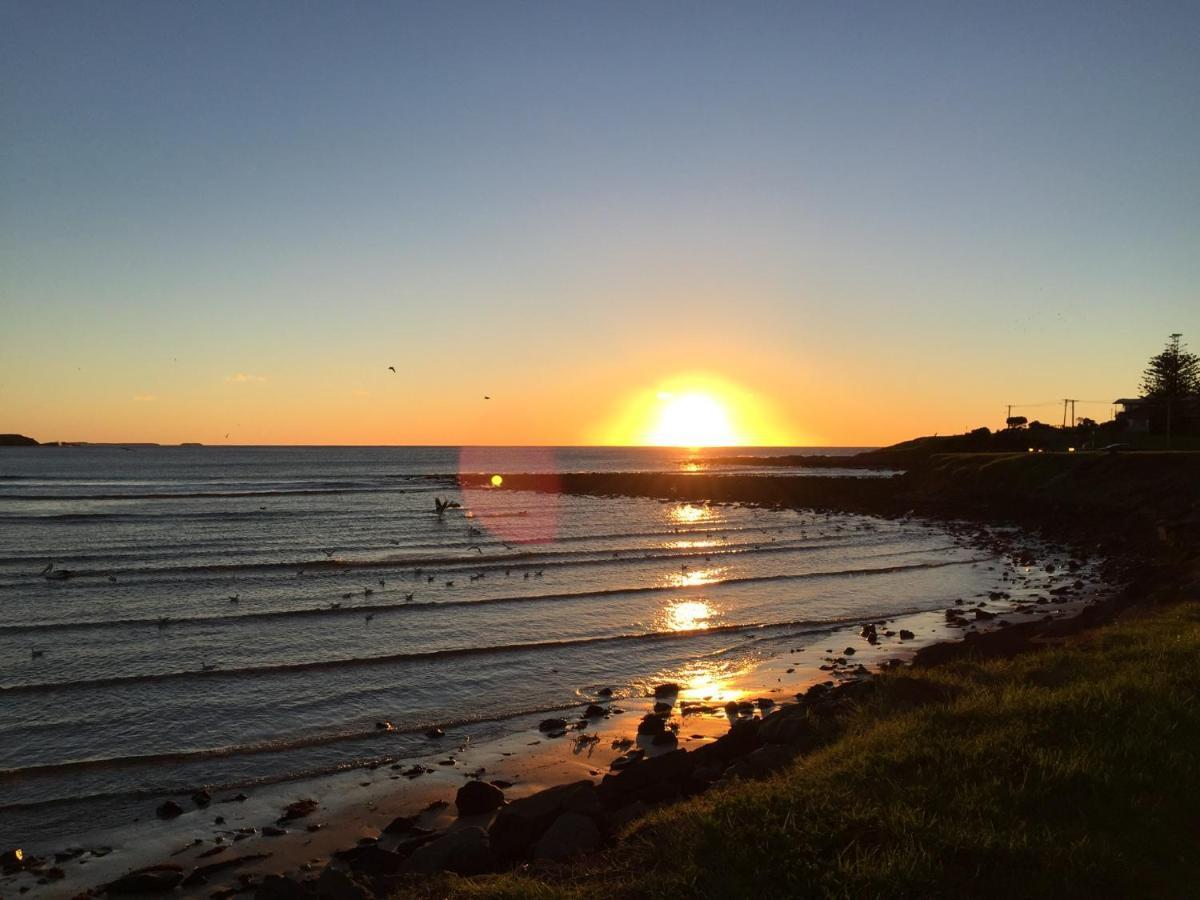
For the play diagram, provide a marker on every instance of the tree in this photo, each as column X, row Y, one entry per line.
column 1172, row 374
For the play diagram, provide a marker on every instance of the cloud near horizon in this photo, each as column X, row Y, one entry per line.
column 243, row 378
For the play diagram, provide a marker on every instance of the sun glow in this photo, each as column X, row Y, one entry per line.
column 693, row 420
column 696, row 411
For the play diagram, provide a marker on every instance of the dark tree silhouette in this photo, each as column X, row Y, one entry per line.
column 1172, row 374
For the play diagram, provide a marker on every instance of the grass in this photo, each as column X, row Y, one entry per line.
column 1069, row 772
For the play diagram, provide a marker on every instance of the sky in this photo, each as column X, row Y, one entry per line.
column 841, row 223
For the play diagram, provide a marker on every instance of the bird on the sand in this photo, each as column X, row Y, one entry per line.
column 234, row 598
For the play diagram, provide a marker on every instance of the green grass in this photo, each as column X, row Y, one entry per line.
column 1070, row 772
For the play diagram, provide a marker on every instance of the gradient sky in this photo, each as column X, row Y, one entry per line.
column 877, row 219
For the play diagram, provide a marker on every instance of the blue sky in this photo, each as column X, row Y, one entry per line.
column 882, row 218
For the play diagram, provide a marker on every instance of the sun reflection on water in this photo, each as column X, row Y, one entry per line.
column 690, row 513
column 687, row 615
column 694, row 577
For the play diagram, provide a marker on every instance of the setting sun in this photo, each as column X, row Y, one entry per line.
column 696, row 410
column 693, row 420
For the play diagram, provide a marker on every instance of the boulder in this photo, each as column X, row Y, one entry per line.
column 667, row 689
column 169, row 810
column 519, row 824
column 652, row 780
column 335, row 885
column 594, row 711
column 202, row 798
column 150, row 880
column 788, row 726
column 652, row 724
column 299, row 809
column 477, row 797
column 279, row 887
column 552, row 725
column 742, row 738
column 400, row 825
column 465, row 851
column 570, row 835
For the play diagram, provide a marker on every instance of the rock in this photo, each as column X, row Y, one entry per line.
column 519, row 824
column 765, row 702
column 604, row 692
column 662, row 707
column 465, row 851
column 152, row 879
column 628, row 813
column 849, row 651
column 665, row 739
column 477, row 797
column 371, row 860
column 731, row 708
column 12, row 860
column 594, row 711
column 652, row 724
column 202, row 798
column 652, row 779
column 169, row 810
column 299, row 809
column 435, row 733
column 788, row 726
column 570, row 835
column 400, row 825
column 628, row 758
column 906, row 635
column 983, row 614
column 335, row 885
column 273, row 831
column 743, row 737
column 279, row 887
column 667, row 689
column 552, row 725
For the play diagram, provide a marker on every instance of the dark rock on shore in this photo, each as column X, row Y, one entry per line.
column 299, row 810
column 552, row 725
column 466, row 851
column 519, row 824
column 435, row 733
column 570, row 835
column 400, row 825
column 335, row 885
column 594, row 711
column 202, row 798
column 169, row 810
column 667, row 689
column 477, row 797
column 150, row 880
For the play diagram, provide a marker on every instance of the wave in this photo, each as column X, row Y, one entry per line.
column 457, row 652
column 544, row 559
column 798, row 627
column 359, row 609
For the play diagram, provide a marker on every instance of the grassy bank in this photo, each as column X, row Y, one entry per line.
column 1072, row 771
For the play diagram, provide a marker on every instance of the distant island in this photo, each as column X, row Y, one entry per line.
column 17, row 440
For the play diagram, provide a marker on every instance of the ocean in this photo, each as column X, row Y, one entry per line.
column 233, row 617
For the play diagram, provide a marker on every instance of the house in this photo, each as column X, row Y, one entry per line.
column 1134, row 414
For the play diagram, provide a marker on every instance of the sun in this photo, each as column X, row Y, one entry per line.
column 693, row 419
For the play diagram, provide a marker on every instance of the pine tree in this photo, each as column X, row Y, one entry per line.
column 1172, row 374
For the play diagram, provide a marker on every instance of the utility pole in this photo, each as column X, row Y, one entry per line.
column 1072, row 403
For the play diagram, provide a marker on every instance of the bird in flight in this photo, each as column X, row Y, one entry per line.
column 393, row 369
column 486, row 397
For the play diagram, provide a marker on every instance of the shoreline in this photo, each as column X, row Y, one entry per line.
column 352, row 809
